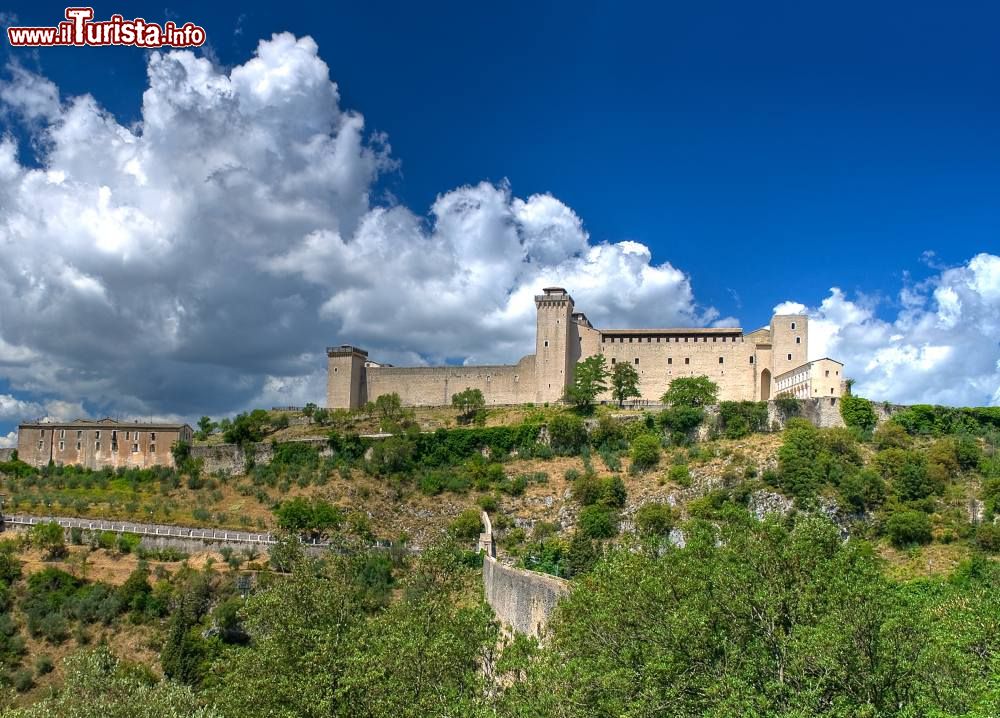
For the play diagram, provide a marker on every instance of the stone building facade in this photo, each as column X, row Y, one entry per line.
column 104, row 443
column 813, row 380
column 744, row 366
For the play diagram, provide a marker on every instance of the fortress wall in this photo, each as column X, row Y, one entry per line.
column 434, row 386
column 522, row 600
column 735, row 376
column 7, row 454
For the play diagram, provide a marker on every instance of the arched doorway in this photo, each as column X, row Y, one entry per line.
column 765, row 385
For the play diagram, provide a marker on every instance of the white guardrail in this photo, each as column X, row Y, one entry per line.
column 167, row 531
column 163, row 530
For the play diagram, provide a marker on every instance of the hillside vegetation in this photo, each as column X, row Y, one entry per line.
column 719, row 568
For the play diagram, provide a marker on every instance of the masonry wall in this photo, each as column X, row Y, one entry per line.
column 7, row 454
column 113, row 446
column 660, row 362
column 522, row 600
column 434, row 386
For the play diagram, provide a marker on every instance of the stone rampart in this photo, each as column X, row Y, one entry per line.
column 7, row 454
column 523, row 601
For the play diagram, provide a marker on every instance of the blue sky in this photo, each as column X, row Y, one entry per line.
column 768, row 153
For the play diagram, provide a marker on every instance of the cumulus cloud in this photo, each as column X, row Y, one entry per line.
column 9, row 440
column 200, row 260
column 942, row 346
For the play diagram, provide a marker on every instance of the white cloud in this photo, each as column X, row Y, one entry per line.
column 8, row 441
column 200, row 260
column 14, row 409
column 943, row 345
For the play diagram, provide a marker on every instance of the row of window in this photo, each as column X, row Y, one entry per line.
column 129, row 435
column 687, row 360
column 97, row 446
column 676, row 340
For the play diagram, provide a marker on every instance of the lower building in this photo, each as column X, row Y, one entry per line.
column 744, row 366
column 99, row 444
column 820, row 378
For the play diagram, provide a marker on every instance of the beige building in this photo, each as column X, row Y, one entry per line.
column 104, row 443
column 823, row 377
column 744, row 366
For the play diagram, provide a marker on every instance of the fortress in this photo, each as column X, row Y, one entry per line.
column 757, row 366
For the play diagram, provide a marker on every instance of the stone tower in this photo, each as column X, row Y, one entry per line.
column 789, row 342
column 346, row 385
column 553, row 361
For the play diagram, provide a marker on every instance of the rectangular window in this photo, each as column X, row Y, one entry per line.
column 97, row 434
column 612, row 361
column 62, row 445
column 546, row 342
column 828, row 372
column 114, row 446
column 152, row 447
column 135, row 448
column 722, row 360
column 789, row 357
column 798, row 340
column 41, row 444
column 751, row 360
column 79, row 434
column 79, row 446
column 97, row 446
column 152, row 434
column 793, row 325
column 670, row 360
column 62, row 433
column 687, row 360
column 637, row 361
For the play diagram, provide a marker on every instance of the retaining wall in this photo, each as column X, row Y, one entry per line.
column 7, row 454
column 523, row 601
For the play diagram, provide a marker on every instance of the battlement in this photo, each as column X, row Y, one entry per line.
column 345, row 350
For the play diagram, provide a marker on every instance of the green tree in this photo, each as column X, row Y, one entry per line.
column 97, row 684
column 857, row 412
column 567, row 433
column 389, row 407
column 645, row 452
column 655, row 519
column 590, row 378
column 50, row 538
column 691, row 391
column 906, row 528
column 205, row 428
column 468, row 402
column 624, row 383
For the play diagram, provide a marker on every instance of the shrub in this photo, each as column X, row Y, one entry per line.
column 597, row 522
column 567, row 434
column 680, row 475
column 988, row 537
column 467, row 526
column 654, row 519
column 680, row 422
column 49, row 537
column 857, row 412
column 22, row 680
column 645, row 452
column 908, row 528
column 906, row 472
column 890, row 435
column 741, row 418
column 44, row 665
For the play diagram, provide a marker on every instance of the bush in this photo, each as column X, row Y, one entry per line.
column 788, row 405
column 597, row 522
column 908, row 528
column 906, row 472
column 315, row 516
column 654, row 519
column 988, row 537
column 680, row 422
column 567, row 434
column 44, row 665
column 22, row 680
column 695, row 391
column 890, row 435
column 467, row 526
column 680, row 475
column 49, row 537
column 857, row 412
column 645, row 452
column 741, row 418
